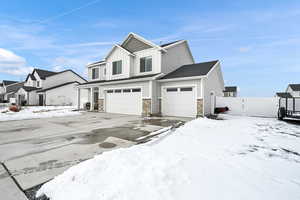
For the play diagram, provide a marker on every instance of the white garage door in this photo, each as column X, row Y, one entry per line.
column 124, row 101
column 179, row 101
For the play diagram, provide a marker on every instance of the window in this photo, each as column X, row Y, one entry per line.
column 95, row 73
column 117, row 67
column 171, row 89
column 186, row 89
column 126, row 90
column 146, row 64
column 110, row 91
column 104, row 71
column 38, row 84
column 136, row 90
column 118, row 91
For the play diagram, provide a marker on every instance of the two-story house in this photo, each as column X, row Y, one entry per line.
column 5, row 93
column 43, row 87
column 294, row 90
column 140, row 77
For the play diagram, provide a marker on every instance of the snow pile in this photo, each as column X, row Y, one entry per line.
column 235, row 158
column 34, row 112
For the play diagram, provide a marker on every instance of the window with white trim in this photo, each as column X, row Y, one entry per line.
column 146, row 64
column 95, row 73
column 117, row 67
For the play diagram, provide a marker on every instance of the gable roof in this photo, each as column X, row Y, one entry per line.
column 31, row 76
column 295, row 87
column 230, row 89
column 43, row 73
column 14, row 87
column 198, row 69
column 140, row 38
column 68, row 70
column 57, row 86
column 118, row 46
column 6, row 82
column 284, row 95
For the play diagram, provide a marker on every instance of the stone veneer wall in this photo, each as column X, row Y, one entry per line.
column 101, row 105
column 200, row 108
column 146, row 108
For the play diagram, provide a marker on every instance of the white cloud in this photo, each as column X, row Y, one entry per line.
column 244, row 49
column 10, row 63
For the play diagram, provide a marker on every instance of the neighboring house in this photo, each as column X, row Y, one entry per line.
column 139, row 77
column 294, row 90
column 3, row 86
column 44, row 87
column 12, row 89
column 230, row 91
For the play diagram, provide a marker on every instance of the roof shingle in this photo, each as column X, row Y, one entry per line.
column 295, row 87
column 198, row 69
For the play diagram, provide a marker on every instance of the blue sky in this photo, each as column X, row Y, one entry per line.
column 257, row 42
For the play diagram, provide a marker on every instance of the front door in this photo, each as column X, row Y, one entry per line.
column 41, row 100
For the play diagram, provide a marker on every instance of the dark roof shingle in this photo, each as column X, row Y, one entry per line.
column 169, row 43
column 295, row 87
column 230, row 89
column 14, row 87
column 198, row 69
column 29, row 88
column 284, row 95
column 6, row 82
column 43, row 73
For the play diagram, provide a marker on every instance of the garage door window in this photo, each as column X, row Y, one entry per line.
column 186, row 89
column 171, row 89
column 136, row 90
column 126, row 90
column 110, row 91
column 118, row 91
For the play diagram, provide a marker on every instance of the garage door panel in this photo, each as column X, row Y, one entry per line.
column 124, row 102
column 180, row 102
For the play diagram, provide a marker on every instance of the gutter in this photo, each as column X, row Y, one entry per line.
column 181, row 79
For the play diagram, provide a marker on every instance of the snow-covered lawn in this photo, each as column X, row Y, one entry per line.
column 236, row 158
column 33, row 112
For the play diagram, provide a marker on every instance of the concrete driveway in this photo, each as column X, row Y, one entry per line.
column 35, row 151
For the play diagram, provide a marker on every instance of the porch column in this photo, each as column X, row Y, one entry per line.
column 92, row 99
column 78, row 98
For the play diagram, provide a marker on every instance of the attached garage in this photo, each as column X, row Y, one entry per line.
column 179, row 101
column 124, row 100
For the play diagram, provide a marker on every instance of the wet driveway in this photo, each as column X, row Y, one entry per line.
column 35, row 151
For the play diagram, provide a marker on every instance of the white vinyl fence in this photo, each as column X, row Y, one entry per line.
column 250, row 106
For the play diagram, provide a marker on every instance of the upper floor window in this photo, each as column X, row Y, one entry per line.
column 146, row 64
column 38, row 84
column 117, row 67
column 95, row 73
